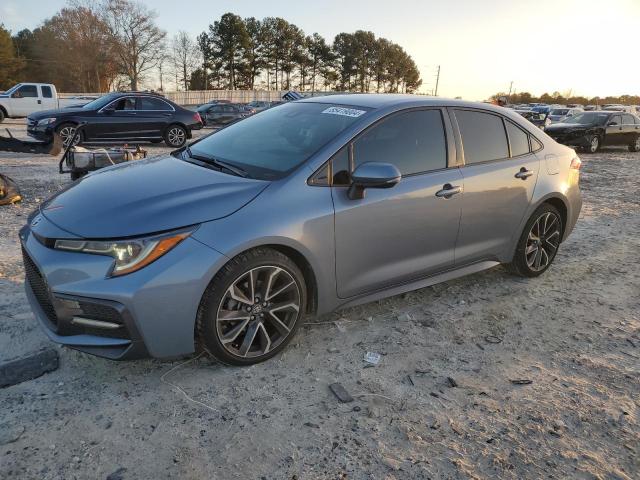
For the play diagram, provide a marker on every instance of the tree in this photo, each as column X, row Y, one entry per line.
column 185, row 57
column 227, row 44
column 11, row 64
column 254, row 54
column 321, row 57
column 137, row 42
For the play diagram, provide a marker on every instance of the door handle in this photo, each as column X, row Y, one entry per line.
column 448, row 191
column 524, row 173
column 39, row 102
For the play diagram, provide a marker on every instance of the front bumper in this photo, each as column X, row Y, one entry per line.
column 150, row 312
column 42, row 133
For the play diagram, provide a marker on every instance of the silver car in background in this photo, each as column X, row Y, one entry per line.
column 299, row 210
column 557, row 115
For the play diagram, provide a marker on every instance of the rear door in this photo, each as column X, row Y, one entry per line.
column 48, row 101
column 153, row 115
column 402, row 233
column 629, row 128
column 500, row 173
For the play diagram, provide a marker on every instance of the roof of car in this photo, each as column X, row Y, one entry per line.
column 380, row 100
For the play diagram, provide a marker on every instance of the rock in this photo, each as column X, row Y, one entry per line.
column 117, row 475
column 341, row 393
column 28, row 368
column 311, row 425
column 10, row 434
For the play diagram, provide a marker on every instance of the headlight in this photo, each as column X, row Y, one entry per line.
column 46, row 121
column 129, row 255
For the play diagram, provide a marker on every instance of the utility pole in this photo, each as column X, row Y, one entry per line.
column 510, row 87
column 437, row 81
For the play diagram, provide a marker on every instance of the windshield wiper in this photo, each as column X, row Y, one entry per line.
column 240, row 172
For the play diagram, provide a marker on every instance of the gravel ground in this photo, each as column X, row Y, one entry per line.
column 440, row 404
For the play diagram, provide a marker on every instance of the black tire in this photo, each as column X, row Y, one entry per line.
column 61, row 131
column 207, row 330
column 595, row 142
column 175, row 136
column 2, row 115
column 635, row 146
column 520, row 263
column 76, row 175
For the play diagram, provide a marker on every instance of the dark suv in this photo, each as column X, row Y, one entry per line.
column 221, row 114
column 118, row 116
column 590, row 130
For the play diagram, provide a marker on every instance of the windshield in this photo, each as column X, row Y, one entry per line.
column 99, row 102
column 588, row 118
column 272, row 143
column 12, row 89
column 559, row 111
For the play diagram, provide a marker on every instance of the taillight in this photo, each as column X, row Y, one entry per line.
column 197, row 117
column 575, row 163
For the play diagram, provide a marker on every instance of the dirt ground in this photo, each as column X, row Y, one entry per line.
column 440, row 404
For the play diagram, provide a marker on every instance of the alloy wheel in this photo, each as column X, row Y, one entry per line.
column 68, row 135
column 637, row 143
column 543, row 241
column 594, row 144
column 258, row 311
column 176, row 136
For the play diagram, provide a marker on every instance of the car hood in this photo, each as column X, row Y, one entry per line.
column 56, row 112
column 567, row 126
column 148, row 196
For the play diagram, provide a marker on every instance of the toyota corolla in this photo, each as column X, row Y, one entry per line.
column 319, row 204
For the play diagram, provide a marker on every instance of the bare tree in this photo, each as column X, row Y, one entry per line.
column 137, row 41
column 185, row 55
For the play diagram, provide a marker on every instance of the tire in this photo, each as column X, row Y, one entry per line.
column 65, row 131
column 2, row 115
column 175, row 136
column 76, row 175
column 533, row 246
column 635, row 146
column 251, row 334
column 594, row 144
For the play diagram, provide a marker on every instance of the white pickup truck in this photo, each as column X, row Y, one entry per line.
column 24, row 99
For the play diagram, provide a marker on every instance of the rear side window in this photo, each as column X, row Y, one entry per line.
column 28, row 91
column 483, row 136
column 412, row 141
column 518, row 140
column 46, row 91
column 153, row 104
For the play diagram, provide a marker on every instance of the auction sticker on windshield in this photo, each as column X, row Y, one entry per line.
column 346, row 112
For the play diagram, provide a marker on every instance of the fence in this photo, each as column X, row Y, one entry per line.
column 197, row 97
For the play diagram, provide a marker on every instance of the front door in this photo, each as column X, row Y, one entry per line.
column 25, row 100
column 396, row 235
column 116, row 121
column 500, row 174
column 614, row 131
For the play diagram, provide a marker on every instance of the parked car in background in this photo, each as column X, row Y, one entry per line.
column 541, row 108
column 591, row 108
column 121, row 117
column 23, row 99
column 617, row 107
column 591, row 130
column 260, row 105
column 540, row 120
column 575, row 105
column 559, row 114
column 222, row 114
column 318, row 204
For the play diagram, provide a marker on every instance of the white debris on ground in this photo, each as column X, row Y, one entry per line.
column 489, row 376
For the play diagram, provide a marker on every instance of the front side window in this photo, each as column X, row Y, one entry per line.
column 126, row 103
column 616, row 120
column 518, row 140
column 270, row 145
column 483, row 136
column 412, row 141
column 28, row 91
column 46, row 91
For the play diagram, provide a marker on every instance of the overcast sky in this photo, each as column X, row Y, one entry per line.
column 587, row 46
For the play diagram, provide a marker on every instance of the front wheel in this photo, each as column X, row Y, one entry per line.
column 539, row 242
column 175, row 136
column 252, row 308
column 68, row 135
column 594, row 144
column 635, row 146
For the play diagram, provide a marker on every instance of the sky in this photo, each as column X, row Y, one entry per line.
column 587, row 47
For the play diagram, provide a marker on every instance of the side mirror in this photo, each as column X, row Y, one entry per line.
column 372, row 175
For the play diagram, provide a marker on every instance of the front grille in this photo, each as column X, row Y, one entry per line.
column 100, row 312
column 39, row 287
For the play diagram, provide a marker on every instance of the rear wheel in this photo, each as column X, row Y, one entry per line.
column 252, row 308
column 635, row 146
column 539, row 242
column 175, row 136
